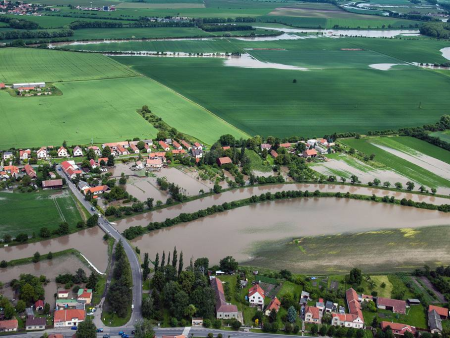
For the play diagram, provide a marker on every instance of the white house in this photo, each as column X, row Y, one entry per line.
column 77, row 151
column 256, row 296
column 7, row 155
column 62, row 152
column 42, row 153
column 347, row 320
column 63, row 294
column 25, row 154
column 96, row 150
column 69, row 318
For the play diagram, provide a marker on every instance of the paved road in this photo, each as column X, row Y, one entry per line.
column 134, row 262
column 189, row 332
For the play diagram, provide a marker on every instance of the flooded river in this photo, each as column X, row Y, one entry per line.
column 242, row 193
column 89, row 242
column 239, row 231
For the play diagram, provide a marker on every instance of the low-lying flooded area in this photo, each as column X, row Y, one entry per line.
column 248, row 61
column 48, row 268
column 89, row 242
column 238, row 194
column 239, row 231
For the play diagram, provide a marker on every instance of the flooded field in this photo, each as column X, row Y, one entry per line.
column 446, row 52
column 89, row 242
column 352, row 32
column 242, row 193
column 383, row 66
column 238, row 232
column 49, row 268
column 248, row 61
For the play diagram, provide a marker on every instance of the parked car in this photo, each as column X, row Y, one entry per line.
column 100, row 329
column 73, row 328
column 106, row 336
column 121, row 333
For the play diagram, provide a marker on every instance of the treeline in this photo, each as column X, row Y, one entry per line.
column 139, row 230
column 201, row 21
column 440, row 30
column 94, row 24
column 19, row 23
column 437, row 278
column 119, row 296
column 154, row 24
column 15, row 35
column 222, row 28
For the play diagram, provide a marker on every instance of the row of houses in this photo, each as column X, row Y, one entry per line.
column 314, row 147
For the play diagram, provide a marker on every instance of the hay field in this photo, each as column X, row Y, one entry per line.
column 41, row 65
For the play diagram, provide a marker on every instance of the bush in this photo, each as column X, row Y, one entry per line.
column 173, row 322
column 3, row 264
column 207, row 323
column 217, row 324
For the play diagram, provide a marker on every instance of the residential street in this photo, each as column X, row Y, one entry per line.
column 132, row 258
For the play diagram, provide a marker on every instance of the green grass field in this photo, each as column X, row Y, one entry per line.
column 395, row 250
column 267, row 102
column 28, row 212
column 402, row 166
column 36, row 65
column 443, row 135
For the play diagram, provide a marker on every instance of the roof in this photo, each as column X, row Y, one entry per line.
column 434, row 320
column 158, row 154
column 66, row 165
column 178, row 151
column 256, row 289
column 62, row 149
column 265, row 146
column 345, row 317
column 285, row 145
column 221, row 304
column 398, row 328
column 97, row 189
column 442, row 311
column 176, row 144
column 163, row 144
column 55, row 335
column 398, row 306
column 196, row 151
column 121, row 149
column 66, row 291
column 39, row 303
column 85, row 293
column 69, row 314
column 274, row 153
column 315, row 311
column 30, row 171
column 224, row 160
column 354, row 306
column 36, row 321
column 154, row 161
column 77, row 148
column 185, row 144
column 9, row 324
column 180, row 336
column 311, row 152
column 52, row 183
column 274, row 304
column 197, row 144
column 2, row 85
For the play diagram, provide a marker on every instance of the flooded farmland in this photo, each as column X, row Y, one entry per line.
column 238, row 231
column 89, row 242
column 237, row 194
column 49, row 268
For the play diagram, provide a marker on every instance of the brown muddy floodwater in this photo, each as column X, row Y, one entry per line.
column 242, row 193
column 237, row 231
column 89, row 242
column 49, row 268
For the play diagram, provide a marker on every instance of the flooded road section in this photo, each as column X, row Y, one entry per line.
column 49, row 268
column 89, row 242
column 238, row 232
column 242, row 193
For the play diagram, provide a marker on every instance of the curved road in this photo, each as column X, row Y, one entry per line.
column 132, row 258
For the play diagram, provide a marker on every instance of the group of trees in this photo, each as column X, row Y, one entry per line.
column 184, row 293
column 78, row 277
column 38, row 34
column 119, row 296
column 437, row 278
column 95, row 24
column 30, row 288
column 19, row 23
column 175, row 191
column 440, row 30
column 225, row 28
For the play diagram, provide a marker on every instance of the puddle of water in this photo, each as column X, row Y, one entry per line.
column 383, row 66
column 235, row 232
column 283, row 36
column 446, row 52
column 248, row 61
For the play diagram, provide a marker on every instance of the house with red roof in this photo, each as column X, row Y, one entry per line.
column 398, row 329
column 39, row 305
column 155, row 163
column 441, row 311
column 176, row 145
column 69, row 317
column 308, row 153
column 25, row 154
column 178, row 151
column 273, row 153
column 355, row 317
column 313, row 315
column 164, row 145
column 85, row 296
column 226, row 148
column 285, row 145
column 96, row 150
column 42, row 153
column 62, row 152
column 274, row 304
column 256, row 296
column 2, row 85
column 224, row 160
column 9, row 325
column 266, row 146
column 30, row 171
column 186, row 145
column 394, row 305
column 96, row 191
column 121, row 150
column 63, row 294
column 11, row 170
column 224, row 310
column 198, row 146
column 134, row 148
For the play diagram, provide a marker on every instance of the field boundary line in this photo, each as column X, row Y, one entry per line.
column 200, row 106
column 61, row 215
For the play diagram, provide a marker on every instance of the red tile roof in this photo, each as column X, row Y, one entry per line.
column 2, row 85
column 52, row 183
column 256, row 289
column 176, row 144
column 39, row 303
column 311, row 152
column 221, row 303
column 274, row 153
column 442, row 311
column 185, row 144
column 226, row 147
column 68, row 315
column 224, row 160
column 398, row 328
column 315, row 311
column 30, row 171
column 398, row 306
column 176, row 151
column 285, row 145
column 354, row 306
column 9, row 324
column 274, row 304
column 163, row 145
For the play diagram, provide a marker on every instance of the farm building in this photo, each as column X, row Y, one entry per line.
column 29, row 85
column 309, row 153
column 434, row 322
column 52, row 184
column 176, row 145
column 9, row 325
column 354, row 306
column 30, row 171
column 398, row 329
column 441, row 311
column 186, row 145
column 395, row 305
column 35, row 323
column 224, row 160
column 223, row 309
column 164, row 145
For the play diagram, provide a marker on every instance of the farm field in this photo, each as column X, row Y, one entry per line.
column 28, row 212
column 443, row 135
column 39, row 65
column 395, row 250
column 267, row 102
column 105, row 111
column 432, row 175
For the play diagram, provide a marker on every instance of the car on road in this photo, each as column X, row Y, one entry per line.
column 121, row 333
column 106, row 336
column 73, row 328
column 100, row 329
column 93, row 208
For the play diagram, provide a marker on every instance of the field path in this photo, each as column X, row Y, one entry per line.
column 428, row 284
column 426, row 162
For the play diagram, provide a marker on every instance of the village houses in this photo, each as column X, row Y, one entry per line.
column 224, row 310
column 62, row 152
column 256, row 296
column 77, row 151
column 69, row 317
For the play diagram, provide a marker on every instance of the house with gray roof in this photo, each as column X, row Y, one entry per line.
column 434, row 322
